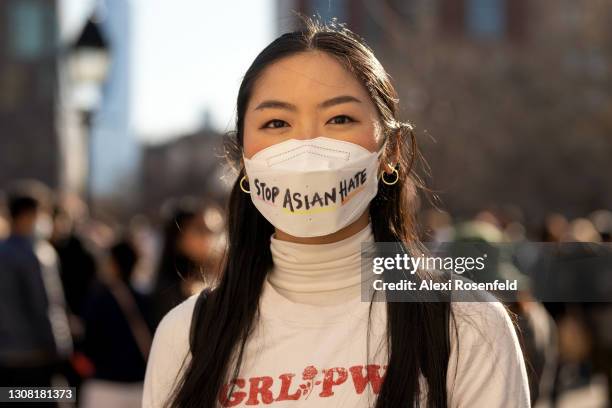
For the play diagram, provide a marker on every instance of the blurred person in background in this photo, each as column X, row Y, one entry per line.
column 118, row 333
column 573, row 271
column 187, row 254
column 586, row 327
column 536, row 329
column 554, row 228
column 78, row 273
column 437, row 226
column 524, row 253
column 34, row 332
column 4, row 225
column 147, row 238
column 77, row 260
column 602, row 221
column 512, row 222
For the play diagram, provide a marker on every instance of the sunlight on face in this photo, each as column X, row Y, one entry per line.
column 307, row 95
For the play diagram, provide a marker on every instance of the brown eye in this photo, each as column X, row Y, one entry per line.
column 340, row 120
column 275, row 124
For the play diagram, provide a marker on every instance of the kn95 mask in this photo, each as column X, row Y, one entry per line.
column 312, row 187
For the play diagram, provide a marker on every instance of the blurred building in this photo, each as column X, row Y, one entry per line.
column 514, row 92
column 102, row 153
column 29, row 139
column 43, row 135
column 190, row 165
column 369, row 18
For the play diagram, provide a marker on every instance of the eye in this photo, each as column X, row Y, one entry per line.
column 275, row 124
column 340, row 120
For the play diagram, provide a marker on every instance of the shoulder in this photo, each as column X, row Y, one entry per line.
column 174, row 326
column 484, row 313
column 169, row 353
column 484, row 324
column 486, row 366
column 485, row 328
column 11, row 251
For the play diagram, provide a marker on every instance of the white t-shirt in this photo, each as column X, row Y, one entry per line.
column 309, row 346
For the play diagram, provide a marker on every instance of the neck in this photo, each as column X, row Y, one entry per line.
column 22, row 229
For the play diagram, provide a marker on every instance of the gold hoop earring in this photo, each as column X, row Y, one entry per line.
column 242, row 186
column 390, row 183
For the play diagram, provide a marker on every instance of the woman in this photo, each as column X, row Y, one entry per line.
column 186, row 253
column 117, row 333
column 285, row 326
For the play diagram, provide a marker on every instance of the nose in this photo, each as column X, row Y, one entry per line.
column 309, row 128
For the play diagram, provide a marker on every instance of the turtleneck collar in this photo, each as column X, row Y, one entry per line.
column 318, row 274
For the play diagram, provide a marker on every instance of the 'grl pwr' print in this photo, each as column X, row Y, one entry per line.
column 296, row 201
column 313, row 383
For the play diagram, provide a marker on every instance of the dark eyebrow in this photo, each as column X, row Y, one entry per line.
column 338, row 100
column 275, row 104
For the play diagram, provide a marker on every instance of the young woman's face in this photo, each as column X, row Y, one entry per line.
column 194, row 241
column 307, row 95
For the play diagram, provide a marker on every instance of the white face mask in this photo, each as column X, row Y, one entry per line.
column 312, row 187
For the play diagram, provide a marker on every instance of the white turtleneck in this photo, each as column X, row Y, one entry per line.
column 318, row 274
column 309, row 346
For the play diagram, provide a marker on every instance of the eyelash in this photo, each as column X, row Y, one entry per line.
column 346, row 117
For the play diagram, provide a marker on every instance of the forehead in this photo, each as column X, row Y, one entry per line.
column 306, row 76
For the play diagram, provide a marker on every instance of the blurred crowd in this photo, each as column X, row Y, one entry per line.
column 565, row 331
column 80, row 296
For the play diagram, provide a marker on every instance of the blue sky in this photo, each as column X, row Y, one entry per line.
column 188, row 57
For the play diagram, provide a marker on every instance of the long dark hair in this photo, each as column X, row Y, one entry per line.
column 174, row 266
column 417, row 333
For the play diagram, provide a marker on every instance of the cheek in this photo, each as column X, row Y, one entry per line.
column 252, row 141
column 367, row 135
column 369, row 141
column 252, row 144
